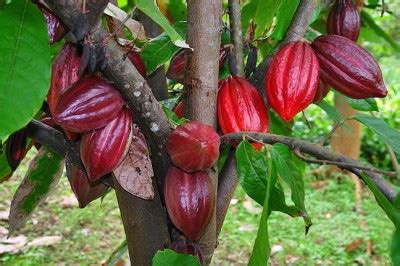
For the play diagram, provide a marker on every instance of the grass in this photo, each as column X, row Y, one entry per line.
column 91, row 234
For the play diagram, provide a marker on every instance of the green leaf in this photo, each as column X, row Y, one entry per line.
column 264, row 15
column 177, row 9
column 252, row 171
column 290, row 170
column 247, row 13
column 330, row 111
column 284, row 17
column 262, row 248
column 395, row 250
column 363, row 104
column 151, row 9
column 223, row 155
column 169, row 257
column 389, row 135
column 25, row 65
column 392, row 212
column 117, row 253
column 278, row 126
column 370, row 22
column 43, row 175
column 160, row 50
column 175, row 121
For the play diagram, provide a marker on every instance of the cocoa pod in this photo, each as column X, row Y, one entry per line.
column 137, row 61
column 89, row 104
column 348, row 68
column 240, row 107
column 190, row 201
column 186, row 246
column 193, row 146
column 177, row 67
column 16, row 148
column 344, row 20
column 64, row 73
column 103, row 149
column 55, row 28
column 292, row 79
column 84, row 191
column 179, row 109
column 322, row 90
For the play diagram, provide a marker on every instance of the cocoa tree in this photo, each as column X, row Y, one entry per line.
column 100, row 110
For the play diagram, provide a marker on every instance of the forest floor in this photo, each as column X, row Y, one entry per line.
column 87, row 237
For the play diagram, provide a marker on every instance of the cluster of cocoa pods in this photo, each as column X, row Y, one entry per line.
column 331, row 60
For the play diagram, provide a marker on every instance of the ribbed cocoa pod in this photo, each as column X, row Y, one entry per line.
column 190, row 201
column 193, row 146
column 85, row 191
column 91, row 103
column 344, row 20
column 55, row 28
column 103, row 149
column 292, row 79
column 348, row 68
column 64, row 73
column 322, row 90
column 16, row 148
column 177, row 67
column 240, row 107
column 185, row 246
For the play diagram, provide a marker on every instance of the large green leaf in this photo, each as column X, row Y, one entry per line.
column 395, row 250
column 43, row 175
column 25, row 65
column 370, row 22
column 160, row 50
column 284, row 17
column 363, row 104
column 169, row 257
column 151, row 9
column 177, row 9
column 262, row 248
column 291, row 170
column 389, row 135
column 5, row 169
column 264, row 15
column 252, row 170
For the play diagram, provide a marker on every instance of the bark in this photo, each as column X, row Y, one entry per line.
column 236, row 35
column 203, row 36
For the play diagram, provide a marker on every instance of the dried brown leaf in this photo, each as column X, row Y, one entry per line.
column 135, row 172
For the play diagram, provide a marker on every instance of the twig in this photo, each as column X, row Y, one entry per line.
column 393, row 159
column 343, row 164
column 316, row 151
column 335, row 127
column 236, row 35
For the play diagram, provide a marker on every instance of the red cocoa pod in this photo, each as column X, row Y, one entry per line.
column 190, row 201
column 85, row 191
column 292, row 79
column 91, row 103
column 322, row 90
column 193, row 146
column 103, row 149
column 177, row 67
column 16, row 148
column 55, row 28
column 179, row 109
column 137, row 61
column 186, row 246
column 240, row 107
column 64, row 73
column 348, row 68
column 344, row 20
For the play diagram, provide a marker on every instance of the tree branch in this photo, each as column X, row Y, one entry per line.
column 318, row 152
column 203, row 35
column 236, row 35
